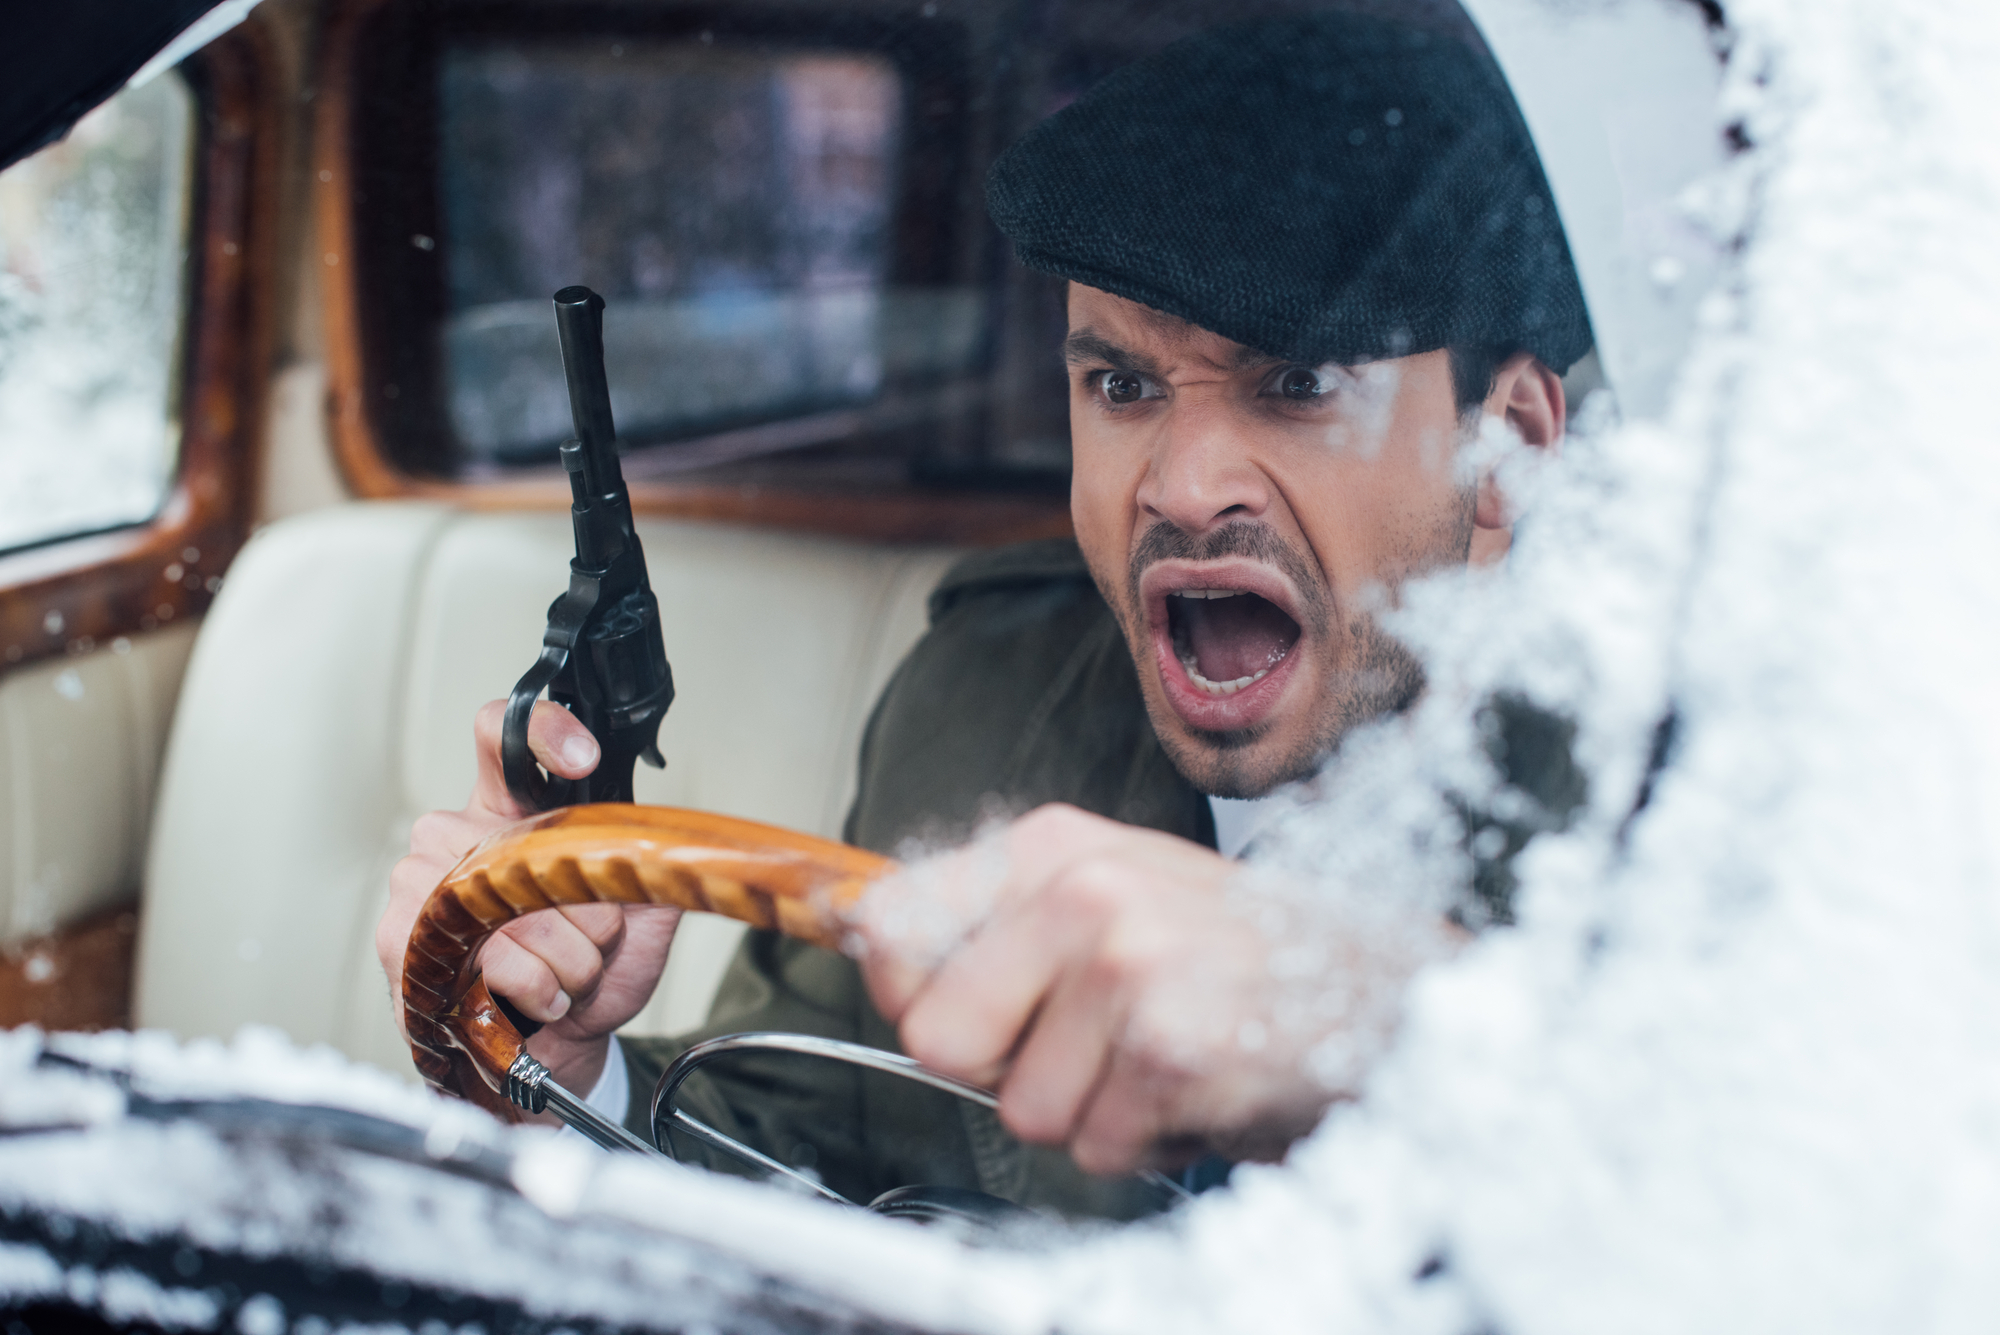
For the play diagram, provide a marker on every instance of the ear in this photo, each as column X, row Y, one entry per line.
column 1528, row 396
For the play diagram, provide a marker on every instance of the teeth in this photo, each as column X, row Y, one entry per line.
column 1199, row 594
column 1221, row 687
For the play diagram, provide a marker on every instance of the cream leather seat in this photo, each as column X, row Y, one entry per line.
column 329, row 704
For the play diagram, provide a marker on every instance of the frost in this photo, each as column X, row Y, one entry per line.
column 55, row 1098
column 262, row 1315
column 28, row 1272
column 91, row 250
column 123, row 1295
column 1737, row 1068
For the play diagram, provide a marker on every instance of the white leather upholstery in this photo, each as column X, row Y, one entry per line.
column 329, row 703
column 80, row 743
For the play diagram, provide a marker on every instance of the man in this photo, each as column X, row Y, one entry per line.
column 1309, row 260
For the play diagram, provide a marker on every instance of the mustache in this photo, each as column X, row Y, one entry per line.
column 1169, row 542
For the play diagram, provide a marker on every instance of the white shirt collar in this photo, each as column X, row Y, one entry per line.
column 1238, row 821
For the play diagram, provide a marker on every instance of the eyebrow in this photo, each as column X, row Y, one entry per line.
column 1087, row 347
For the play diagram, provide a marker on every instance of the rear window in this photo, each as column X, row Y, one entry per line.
column 735, row 209
column 782, row 203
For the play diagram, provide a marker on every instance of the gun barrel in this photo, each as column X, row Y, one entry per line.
column 603, row 657
column 580, row 326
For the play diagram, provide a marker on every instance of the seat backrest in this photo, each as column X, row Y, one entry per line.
column 329, row 704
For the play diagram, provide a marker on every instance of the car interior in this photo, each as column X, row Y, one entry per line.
column 330, row 398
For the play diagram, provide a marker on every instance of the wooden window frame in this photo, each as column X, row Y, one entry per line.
column 903, row 514
column 72, row 595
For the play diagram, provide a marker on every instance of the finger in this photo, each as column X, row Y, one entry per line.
column 524, row 979
column 438, row 841
column 409, row 883
column 650, row 927
column 559, row 946
column 632, row 965
column 913, row 922
column 576, row 959
column 970, row 1016
column 559, row 742
column 1063, row 1059
column 441, row 838
column 1122, row 1119
column 601, row 924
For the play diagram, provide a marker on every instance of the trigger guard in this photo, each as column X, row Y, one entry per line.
column 525, row 780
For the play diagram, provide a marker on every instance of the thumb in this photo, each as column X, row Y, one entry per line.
column 559, row 742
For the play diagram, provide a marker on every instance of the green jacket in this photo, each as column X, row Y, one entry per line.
column 1021, row 693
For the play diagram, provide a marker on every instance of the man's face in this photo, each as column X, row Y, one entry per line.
column 1244, row 517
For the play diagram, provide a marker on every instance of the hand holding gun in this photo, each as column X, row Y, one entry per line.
column 602, row 655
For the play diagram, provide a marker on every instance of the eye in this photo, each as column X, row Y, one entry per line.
column 1300, row 384
column 1123, row 387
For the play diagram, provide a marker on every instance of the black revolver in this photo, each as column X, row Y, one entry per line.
column 602, row 655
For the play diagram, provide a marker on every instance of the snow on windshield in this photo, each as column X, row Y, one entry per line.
column 1738, row 1067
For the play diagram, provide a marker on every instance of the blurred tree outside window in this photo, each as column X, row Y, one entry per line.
column 733, row 206
column 93, row 248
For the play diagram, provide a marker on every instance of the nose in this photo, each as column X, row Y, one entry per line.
column 1203, row 469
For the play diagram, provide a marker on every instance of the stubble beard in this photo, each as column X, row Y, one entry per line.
column 1384, row 678
column 1378, row 675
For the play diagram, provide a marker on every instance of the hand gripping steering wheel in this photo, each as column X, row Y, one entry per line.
column 617, row 853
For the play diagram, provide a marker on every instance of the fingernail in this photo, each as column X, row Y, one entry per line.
column 580, row 752
column 559, row 1007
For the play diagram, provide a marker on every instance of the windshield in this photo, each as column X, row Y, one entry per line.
column 1483, row 821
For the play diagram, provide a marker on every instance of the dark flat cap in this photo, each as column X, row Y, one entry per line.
column 1331, row 187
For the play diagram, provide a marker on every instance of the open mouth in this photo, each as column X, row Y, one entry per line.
column 1228, row 639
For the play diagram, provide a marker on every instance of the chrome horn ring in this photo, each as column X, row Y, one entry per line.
column 666, row 1118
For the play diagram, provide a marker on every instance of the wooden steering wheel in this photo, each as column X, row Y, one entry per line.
column 617, row 853
column 607, row 853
